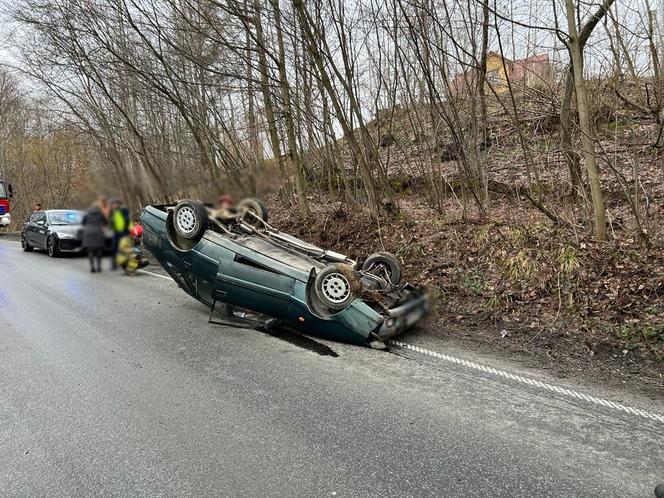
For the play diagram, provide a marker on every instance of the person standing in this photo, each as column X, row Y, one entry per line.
column 37, row 208
column 93, row 236
column 120, row 223
column 105, row 207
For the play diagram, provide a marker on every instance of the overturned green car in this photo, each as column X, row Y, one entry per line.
column 234, row 256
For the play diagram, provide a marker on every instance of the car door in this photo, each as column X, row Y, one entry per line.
column 249, row 284
column 27, row 229
column 204, row 267
column 40, row 231
column 31, row 229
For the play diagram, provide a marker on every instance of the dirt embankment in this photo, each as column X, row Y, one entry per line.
column 516, row 283
column 509, row 278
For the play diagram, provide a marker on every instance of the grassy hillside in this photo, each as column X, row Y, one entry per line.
column 511, row 278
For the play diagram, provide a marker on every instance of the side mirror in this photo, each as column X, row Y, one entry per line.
column 41, row 223
column 10, row 190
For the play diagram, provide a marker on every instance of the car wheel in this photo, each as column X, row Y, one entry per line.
column 185, row 231
column 52, row 247
column 335, row 286
column 255, row 207
column 383, row 264
column 190, row 220
column 24, row 244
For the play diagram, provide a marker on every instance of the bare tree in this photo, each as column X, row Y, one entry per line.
column 587, row 132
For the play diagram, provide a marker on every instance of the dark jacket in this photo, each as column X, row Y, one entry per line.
column 93, row 229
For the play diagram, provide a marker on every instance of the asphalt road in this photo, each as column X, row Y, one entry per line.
column 111, row 385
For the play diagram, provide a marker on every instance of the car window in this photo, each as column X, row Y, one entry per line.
column 41, row 217
column 65, row 218
column 35, row 217
column 248, row 262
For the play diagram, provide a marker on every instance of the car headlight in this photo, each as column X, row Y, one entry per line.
column 66, row 235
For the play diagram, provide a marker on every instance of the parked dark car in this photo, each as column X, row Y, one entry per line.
column 55, row 230
column 239, row 259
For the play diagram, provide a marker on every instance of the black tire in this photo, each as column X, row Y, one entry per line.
column 335, row 286
column 254, row 206
column 24, row 244
column 190, row 220
column 52, row 247
column 386, row 260
column 659, row 491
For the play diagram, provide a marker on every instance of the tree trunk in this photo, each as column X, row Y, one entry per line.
column 293, row 152
column 326, row 82
column 256, row 147
column 265, row 89
column 587, row 132
column 572, row 157
column 481, row 77
column 567, row 136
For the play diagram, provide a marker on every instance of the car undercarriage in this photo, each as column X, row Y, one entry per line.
column 252, row 264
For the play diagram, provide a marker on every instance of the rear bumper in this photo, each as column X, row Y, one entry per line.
column 402, row 317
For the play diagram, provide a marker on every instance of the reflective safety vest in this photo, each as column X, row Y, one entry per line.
column 120, row 222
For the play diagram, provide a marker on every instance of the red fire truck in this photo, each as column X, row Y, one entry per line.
column 6, row 194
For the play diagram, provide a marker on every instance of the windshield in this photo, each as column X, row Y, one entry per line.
column 65, row 217
column 3, row 193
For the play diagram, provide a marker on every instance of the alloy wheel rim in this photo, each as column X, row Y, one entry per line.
column 336, row 287
column 186, row 220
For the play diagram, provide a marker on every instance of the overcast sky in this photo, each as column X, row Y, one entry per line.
column 5, row 30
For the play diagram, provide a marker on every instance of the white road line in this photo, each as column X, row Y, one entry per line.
column 155, row 274
column 531, row 382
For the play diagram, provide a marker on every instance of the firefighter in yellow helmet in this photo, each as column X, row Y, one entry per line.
column 130, row 257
